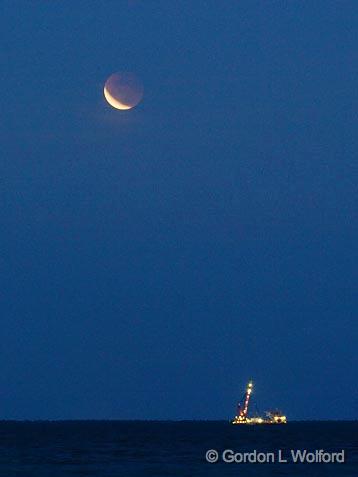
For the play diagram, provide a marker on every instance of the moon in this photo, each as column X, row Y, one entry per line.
column 123, row 90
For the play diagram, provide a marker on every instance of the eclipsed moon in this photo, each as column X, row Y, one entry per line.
column 123, row 90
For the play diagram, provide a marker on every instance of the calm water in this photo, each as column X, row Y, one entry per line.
column 157, row 449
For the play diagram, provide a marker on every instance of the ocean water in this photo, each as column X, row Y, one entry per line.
column 131, row 449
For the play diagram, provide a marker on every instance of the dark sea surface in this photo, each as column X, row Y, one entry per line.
column 117, row 448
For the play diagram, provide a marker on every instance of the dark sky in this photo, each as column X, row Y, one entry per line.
column 154, row 260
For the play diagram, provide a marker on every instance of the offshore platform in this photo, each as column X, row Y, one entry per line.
column 271, row 417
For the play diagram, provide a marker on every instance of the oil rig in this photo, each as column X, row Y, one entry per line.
column 271, row 417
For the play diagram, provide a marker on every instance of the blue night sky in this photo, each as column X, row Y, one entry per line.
column 154, row 260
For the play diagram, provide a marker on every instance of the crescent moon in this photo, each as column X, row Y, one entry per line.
column 114, row 102
column 123, row 90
